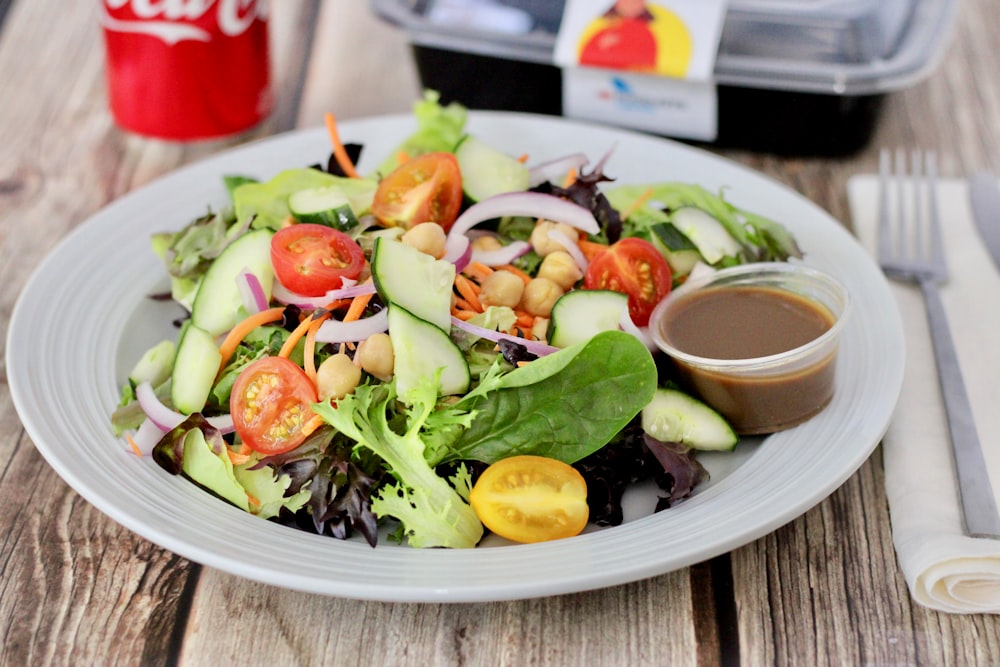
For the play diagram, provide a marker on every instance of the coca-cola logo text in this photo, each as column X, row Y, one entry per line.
column 174, row 21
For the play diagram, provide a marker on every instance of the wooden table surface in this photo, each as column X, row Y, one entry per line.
column 78, row 589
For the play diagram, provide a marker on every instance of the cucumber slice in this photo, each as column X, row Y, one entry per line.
column 708, row 234
column 216, row 305
column 487, row 171
column 414, row 280
column 421, row 348
column 155, row 365
column 673, row 416
column 195, row 367
column 323, row 206
column 677, row 249
column 580, row 315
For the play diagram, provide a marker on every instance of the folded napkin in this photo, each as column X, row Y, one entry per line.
column 944, row 569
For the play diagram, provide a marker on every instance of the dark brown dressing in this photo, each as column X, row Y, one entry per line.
column 744, row 322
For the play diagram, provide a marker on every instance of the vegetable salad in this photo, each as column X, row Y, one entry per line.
column 452, row 344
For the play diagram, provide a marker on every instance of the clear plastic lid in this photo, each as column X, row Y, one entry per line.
column 845, row 47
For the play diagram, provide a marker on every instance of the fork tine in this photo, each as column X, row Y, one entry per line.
column 934, row 217
column 885, row 236
column 918, row 214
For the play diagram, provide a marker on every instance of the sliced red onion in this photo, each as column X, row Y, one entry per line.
column 284, row 295
column 642, row 333
column 501, row 256
column 146, row 437
column 571, row 247
column 163, row 417
column 554, row 171
column 533, row 204
column 535, row 347
column 251, row 291
column 166, row 419
column 458, row 251
column 335, row 331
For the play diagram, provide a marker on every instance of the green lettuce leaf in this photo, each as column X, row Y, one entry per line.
column 439, row 128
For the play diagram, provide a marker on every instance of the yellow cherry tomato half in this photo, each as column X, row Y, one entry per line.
column 531, row 499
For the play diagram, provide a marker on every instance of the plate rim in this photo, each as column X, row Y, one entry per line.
column 393, row 591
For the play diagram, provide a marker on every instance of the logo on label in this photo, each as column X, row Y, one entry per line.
column 173, row 21
column 622, row 93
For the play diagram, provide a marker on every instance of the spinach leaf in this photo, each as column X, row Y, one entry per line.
column 565, row 405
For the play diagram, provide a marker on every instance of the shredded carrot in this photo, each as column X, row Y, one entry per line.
column 253, row 500
column 308, row 357
column 523, row 158
column 525, row 320
column 462, row 304
column 240, row 331
column 357, row 308
column 591, row 249
column 135, row 447
column 294, row 338
column 339, row 152
column 517, row 272
column 464, row 315
column 639, row 202
column 570, row 178
column 402, row 156
column 237, row 458
column 314, row 423
column 477, row 271
column 469, row 291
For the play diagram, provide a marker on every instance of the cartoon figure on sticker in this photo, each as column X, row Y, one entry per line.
column 638, row 36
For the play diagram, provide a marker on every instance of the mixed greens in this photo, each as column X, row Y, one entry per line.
column 472, row 380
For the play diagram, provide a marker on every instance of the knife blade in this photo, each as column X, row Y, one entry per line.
column 984, row 195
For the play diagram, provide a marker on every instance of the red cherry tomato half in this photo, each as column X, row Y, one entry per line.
column 427, row 188
column 312, row 259
column 270, row 404
column 635, row 267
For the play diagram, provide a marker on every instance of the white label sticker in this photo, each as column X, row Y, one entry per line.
column 671, row 107
column 671, row 38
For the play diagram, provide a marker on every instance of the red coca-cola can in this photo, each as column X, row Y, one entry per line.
column 187, row 69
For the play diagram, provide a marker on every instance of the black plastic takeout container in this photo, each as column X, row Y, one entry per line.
column 793, row 77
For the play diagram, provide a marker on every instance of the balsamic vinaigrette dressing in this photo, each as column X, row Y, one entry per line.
column 743, row 322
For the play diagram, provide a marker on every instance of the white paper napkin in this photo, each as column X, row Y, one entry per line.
column 945, row 570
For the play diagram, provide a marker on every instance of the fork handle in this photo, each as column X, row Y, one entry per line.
column 978, row 504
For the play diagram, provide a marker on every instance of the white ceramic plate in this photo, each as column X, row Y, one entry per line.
column 84, row 319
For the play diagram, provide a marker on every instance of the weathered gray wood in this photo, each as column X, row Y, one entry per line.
column 645, row 623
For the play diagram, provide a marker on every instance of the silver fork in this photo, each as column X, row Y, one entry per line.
column 911, row 249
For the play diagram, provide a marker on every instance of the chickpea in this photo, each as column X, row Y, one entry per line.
column 486, row 242
column 376, row 357
column 337, row 377
column 539, row 296
column 427, row 237
column 501, row 288
column 560, row 268
column 544, row 245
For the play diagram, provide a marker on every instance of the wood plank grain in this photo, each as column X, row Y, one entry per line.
column 76, row 587
column 644, row 623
